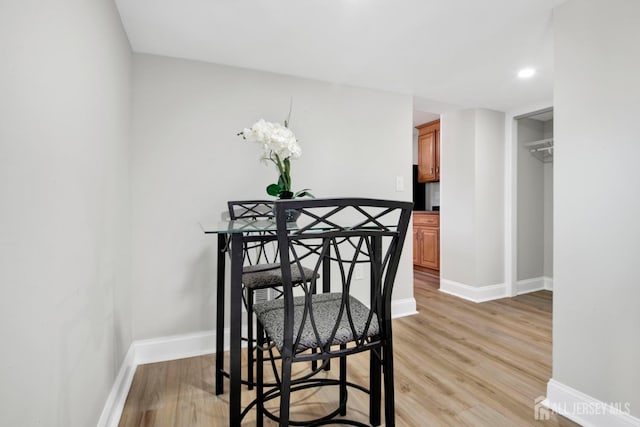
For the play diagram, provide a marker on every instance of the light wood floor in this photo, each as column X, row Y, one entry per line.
column 456, row 364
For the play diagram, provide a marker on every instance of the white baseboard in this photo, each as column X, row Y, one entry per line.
column 403, row 307
column 114, row 405
column 152, row 351
column 176, row 347
column 529, row 285
column 473, row 293
column 532, row 285
column 586, row 410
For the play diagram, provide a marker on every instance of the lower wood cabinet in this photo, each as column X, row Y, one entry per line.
column 426, row 240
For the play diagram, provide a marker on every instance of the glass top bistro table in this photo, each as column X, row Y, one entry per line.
column 231, row 235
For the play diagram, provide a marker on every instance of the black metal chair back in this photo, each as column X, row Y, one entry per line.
column 261, row 249
column 340, row 237
column 253, row 209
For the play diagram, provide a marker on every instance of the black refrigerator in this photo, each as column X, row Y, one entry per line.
column 419, row 192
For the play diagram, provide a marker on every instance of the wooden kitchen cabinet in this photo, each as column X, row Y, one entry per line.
column 429, row 152
column 426, row 240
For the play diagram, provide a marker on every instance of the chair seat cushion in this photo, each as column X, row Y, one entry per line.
column 326, row 308
column 269, row 275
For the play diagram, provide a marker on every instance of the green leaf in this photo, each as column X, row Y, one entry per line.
column 274, row 190
column 304, row 193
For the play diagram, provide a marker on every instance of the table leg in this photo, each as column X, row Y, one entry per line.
column 326, row 286
column 219, row 378
column 235, row 310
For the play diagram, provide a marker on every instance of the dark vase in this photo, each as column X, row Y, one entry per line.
column 292, row 215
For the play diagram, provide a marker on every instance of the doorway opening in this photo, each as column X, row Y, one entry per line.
column 426, row 198
column 534, row 202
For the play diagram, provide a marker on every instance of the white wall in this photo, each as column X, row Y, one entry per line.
column 188, row 161
column 457, row 211
column 65, row 315
column 548, row 207
column 472, row 199
column 489, row 197
column 596, row 338
column 548, row 220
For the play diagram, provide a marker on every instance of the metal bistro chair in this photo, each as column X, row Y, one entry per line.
column 261, row 269
column 305, row 326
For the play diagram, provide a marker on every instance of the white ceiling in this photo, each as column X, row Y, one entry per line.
column 443, row 52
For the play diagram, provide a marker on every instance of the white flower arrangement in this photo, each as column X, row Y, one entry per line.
column 277, row 141
column 279, row 145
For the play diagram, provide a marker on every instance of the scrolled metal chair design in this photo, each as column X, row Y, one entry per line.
column 308, row 326
column 261, row 268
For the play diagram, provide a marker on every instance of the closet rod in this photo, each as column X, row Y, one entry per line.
column 540, row 142
column 533, row 150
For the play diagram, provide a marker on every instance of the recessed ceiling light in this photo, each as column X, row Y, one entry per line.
column 525, row 73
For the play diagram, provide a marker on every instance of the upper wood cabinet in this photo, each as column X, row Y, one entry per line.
column 429, row 152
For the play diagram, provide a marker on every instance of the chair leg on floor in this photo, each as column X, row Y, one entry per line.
column 314, row 363
column 260, row 375
column 374, row 388
column 285, row 391
column 343, row 382
column 250, row 346
column 389, row 398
